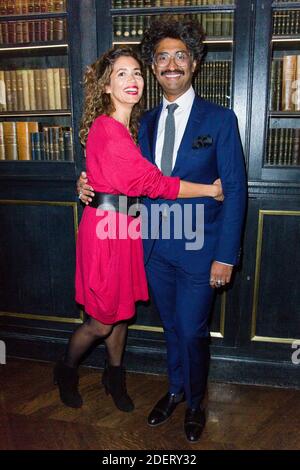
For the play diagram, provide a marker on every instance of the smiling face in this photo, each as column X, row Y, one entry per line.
column 174, row 79
column 126, row 82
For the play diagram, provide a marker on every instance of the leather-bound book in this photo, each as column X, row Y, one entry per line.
column 58, row 29
column 57, row 89
column 12, row 32
column 59, row 5
column 31, row 87
column 4, row 29
column 50, row 29
column 44, row 30
column 31, row 31
column 18, row 7
column 24, row 129
column 37, row 146
column 288, row 78
column 8, row 90
column 68, row 88
column 10, row 140
column 19, row 32
column 297, row 86
column 38, row 89
column 44, row 89
column 50, row 85
column 25, row 28
column 24, row 6
column 30, row 6
column 50, row 6
column 20, row 91
column 14, row 90
column 37, row 31
column 296, row 147
column 51, row 143
column 26, row 90
column 63, row 88
column 44, row 6
column 54, row 132
column 37, row 6
column 68, row 144
column 22, row 140
column 2, row 147
column 46, row 143
column 3, row 106
column 10, row 7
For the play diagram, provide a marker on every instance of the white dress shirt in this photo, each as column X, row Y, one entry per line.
column 181, row 116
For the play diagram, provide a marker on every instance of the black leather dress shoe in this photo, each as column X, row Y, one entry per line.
column 194, row 423
column 163, row 409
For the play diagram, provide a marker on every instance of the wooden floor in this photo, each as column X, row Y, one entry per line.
column 239, row 416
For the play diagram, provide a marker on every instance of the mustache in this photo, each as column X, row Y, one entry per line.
column 171, row 71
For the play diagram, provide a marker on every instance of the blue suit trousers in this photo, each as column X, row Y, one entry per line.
column 184, row 302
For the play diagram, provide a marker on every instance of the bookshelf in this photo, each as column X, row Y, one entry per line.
column 35, row 94
column 283, row 145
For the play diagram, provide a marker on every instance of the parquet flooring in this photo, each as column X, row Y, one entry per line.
column 238, row 416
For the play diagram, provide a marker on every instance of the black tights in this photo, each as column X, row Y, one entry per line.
column 85, row 336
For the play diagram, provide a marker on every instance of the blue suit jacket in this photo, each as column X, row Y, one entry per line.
column 223, row 158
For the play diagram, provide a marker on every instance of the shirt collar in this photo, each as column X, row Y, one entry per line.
column 184, row 101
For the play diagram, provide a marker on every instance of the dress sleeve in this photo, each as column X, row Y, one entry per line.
column 126, row 170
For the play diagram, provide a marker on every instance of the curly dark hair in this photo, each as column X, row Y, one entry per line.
column 96, row 100
column 188, row 31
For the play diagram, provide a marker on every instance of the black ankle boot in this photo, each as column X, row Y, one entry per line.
column 113, row 379
column 67, row 380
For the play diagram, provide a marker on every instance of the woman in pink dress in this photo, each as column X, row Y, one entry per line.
column 110, row 275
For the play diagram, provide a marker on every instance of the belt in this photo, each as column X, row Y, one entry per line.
column 117, row 202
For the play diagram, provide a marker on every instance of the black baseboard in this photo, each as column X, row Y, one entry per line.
column 150, row 358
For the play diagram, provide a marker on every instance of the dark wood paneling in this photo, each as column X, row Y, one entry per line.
column 278, row 313
column 37, row 258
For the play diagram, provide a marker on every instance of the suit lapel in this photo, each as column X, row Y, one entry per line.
column 152, row 130
column 192, row 129
column 148, row 136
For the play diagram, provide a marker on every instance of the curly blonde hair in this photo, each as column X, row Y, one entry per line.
column 96, row 100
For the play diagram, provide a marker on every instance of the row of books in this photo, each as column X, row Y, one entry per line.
column 31, row 90
column 285, row 84
column 22, row 32
column 283, row 147
column 23, row 7
column 286, row 22
column 167, row 3
column 27, row 141
column 132, row 27
column 213, row 82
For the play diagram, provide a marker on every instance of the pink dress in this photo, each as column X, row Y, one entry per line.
column 110, row 275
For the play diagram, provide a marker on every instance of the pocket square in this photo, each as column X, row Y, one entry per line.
column 202, row 141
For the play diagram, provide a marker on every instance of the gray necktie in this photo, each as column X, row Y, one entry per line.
column 169, row 138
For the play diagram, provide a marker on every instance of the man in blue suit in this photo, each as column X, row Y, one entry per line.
column 198, row 141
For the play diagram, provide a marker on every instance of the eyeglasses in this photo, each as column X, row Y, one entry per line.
column 163, row 59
